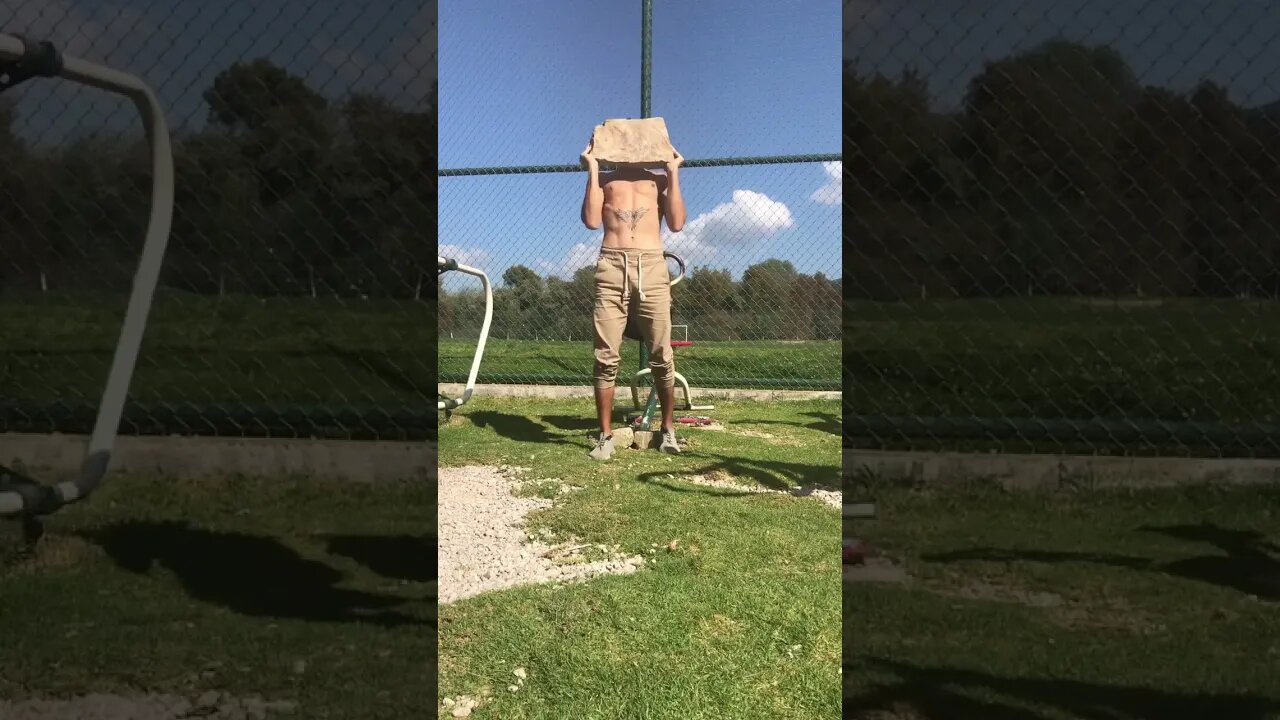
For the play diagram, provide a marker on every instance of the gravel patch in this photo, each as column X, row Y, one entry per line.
column 212, row 705
column 484, row 547
column 830, row 497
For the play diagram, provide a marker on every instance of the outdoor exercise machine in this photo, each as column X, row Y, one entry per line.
column 640, row 416
column 855, row 550
column 444, row 265
column 22, row 59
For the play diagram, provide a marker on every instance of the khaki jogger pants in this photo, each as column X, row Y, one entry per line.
column 632, row 281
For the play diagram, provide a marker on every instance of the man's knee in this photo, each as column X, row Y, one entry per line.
column 663, row 367
column 606, row 373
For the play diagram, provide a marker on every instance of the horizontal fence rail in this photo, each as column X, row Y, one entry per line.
column 1061, row 248
column 755, row 321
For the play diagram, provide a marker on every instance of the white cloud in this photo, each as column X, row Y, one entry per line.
column 579, row 256
column 413, row 54
column 111, row 35
column 473, row 257
column 139, row 42
column 402, row 70
column 833, row 191
column 350, row 66
column 406, row 68
column 860, row 14
column 748, row 218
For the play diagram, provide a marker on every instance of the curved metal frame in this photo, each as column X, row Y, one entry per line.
column 444, row 265
column 680, row 379
column 679, row 261
column 28, row 59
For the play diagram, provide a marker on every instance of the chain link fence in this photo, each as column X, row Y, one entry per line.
column 1063, row 227
column 295, row 299
column 762, row 185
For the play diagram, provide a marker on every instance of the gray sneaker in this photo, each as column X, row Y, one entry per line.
column 603, row 449
column 669, row 444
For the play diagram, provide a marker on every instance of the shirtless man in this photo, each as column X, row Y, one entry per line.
column 632, row 278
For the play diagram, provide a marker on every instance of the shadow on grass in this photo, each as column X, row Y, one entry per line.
column 375, row 363
column 938, row 693
column 791, row 477
column 660, row 478
column 1248, row 562
column 398, row 557
column 247, row 574
column 570, row 366
column 514, row 427
column 823, row 422
column 575, row 423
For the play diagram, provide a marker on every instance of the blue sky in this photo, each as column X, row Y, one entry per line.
column 524, row 83
column 179, row 46
column 1171, row 43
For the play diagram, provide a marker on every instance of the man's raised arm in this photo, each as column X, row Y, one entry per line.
column 593, row 199
column 674, row 203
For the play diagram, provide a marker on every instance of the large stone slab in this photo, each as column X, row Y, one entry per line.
column 632, row 143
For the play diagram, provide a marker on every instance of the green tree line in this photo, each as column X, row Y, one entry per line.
column 283, row 192
column 772, row 301
column 1060, row 174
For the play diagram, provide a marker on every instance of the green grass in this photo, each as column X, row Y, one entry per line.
column 1153, row 603
column 224, row 352
column 1062, row 358
column 1044, row 358
column 764, row 363
column 296, row 352
column 739, row 621
column 161, row 585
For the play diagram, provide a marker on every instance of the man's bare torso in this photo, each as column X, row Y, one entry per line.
column 633, row 209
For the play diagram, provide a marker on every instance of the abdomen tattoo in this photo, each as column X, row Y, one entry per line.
column 631, row 218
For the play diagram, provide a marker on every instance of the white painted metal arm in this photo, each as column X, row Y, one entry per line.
column 446, row 264
column 44, row 499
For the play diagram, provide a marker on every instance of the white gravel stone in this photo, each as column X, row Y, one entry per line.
column 483, row 545
column 830, row 497
column 212, row 705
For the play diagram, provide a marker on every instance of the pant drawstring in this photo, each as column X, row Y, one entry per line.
column 626, row 277
column 626, row 274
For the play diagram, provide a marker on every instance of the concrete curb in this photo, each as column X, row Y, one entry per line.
column 57, row 457
column 586, row 391
column 1056, row 471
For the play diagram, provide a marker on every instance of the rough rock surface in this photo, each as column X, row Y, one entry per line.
column 639, row 143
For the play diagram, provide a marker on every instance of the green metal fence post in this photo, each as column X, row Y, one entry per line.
column 646, row 56
column 646, row 110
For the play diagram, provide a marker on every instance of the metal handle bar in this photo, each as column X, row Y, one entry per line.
column 20, row 59
column 443, row 265
column 679, row 261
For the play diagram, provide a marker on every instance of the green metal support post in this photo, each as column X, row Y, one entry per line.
column 646, row 57
column 646, row 86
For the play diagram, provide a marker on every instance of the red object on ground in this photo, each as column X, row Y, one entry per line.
column 856, row 552
column 691, row 420
column 681, row 343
